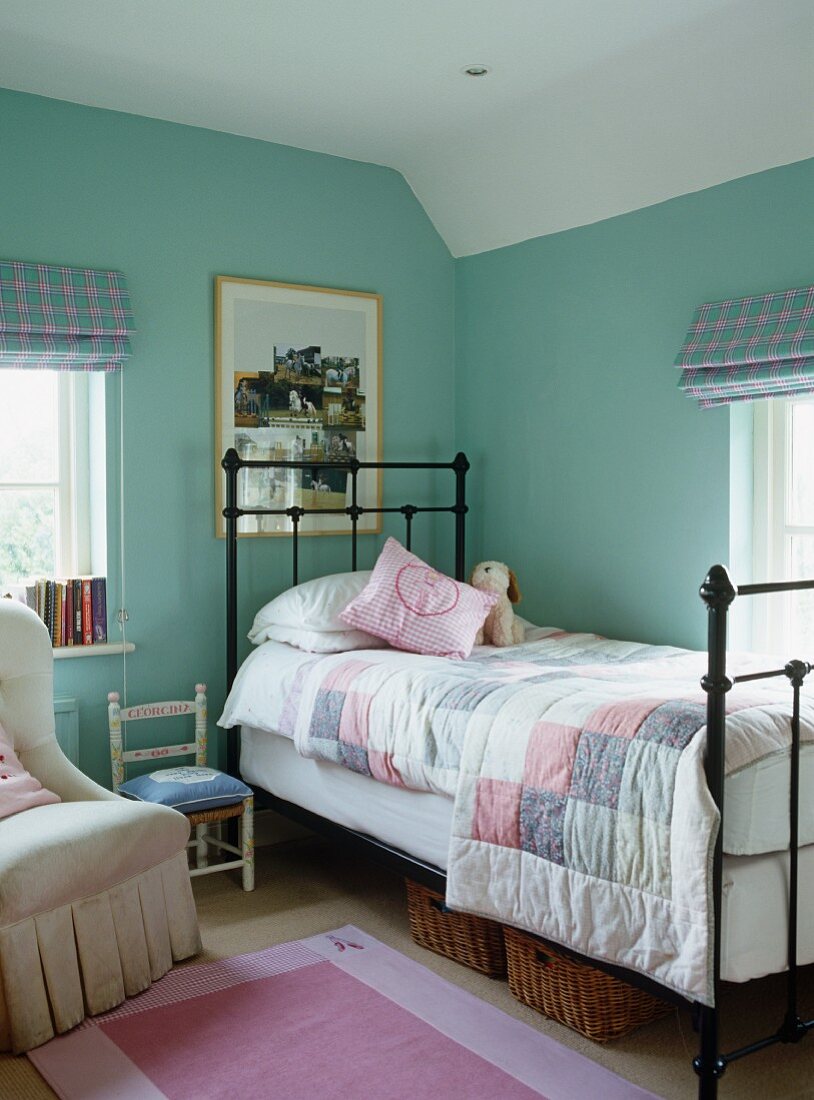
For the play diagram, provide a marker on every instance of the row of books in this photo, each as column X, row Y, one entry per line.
column 75, row 611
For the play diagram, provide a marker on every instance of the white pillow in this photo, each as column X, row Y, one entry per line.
column 322, row 641
column 314, row 605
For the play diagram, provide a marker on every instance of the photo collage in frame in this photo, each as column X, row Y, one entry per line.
column 298, row 401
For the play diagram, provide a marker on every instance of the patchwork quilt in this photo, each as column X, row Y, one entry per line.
column 576, row 765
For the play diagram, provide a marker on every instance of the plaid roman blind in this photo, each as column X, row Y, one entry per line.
column 747, row 348
column 63, row 318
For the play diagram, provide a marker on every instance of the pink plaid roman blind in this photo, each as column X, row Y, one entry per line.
column 63, row 318
column 747, row 348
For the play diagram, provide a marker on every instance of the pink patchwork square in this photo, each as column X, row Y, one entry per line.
column 622, row 719
column 382, row 768
column 414, row 607
column 550, row 755
column 343, row 676
column 354, row 722
column 497, row 812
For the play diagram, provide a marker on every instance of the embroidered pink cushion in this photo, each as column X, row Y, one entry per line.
column 18, row 789
column 414, row 607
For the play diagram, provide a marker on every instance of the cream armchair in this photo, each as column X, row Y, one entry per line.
column 95, row 897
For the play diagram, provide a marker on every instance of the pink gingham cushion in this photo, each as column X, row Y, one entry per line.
column 19, row 790
column 414, row 607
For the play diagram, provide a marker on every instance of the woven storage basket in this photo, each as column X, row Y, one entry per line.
column 473, row 941
column 595, row 1004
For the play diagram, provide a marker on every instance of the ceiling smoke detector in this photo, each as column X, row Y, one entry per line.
column 475, row 70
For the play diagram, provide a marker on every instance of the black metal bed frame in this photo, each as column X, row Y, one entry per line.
column 717, row 592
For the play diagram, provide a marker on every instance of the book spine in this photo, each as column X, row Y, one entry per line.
column 87, row 613
column 50, row 601
column 77, row 612
column 31, row 596
column 68, row 619
column 57, row 614
column 99, row 599
column 67, row 613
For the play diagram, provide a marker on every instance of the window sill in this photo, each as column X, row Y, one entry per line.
column 102, row 649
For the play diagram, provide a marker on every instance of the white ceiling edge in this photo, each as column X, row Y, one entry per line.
column 486, row 245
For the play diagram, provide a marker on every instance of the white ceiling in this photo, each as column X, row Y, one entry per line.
column 592, row 107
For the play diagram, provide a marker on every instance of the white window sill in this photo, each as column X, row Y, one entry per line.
column 101, row 649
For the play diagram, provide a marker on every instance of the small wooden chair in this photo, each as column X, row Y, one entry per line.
column 205, row 796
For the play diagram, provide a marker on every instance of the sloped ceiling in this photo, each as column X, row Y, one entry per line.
column 591, row 107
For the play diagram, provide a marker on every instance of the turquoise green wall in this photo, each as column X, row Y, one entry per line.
column 173, row 206
column 605, row 488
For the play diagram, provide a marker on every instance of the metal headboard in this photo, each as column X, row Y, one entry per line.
column 232, row 463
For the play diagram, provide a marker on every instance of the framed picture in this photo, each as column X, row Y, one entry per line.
column 298, row 377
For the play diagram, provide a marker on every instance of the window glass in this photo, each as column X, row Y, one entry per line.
column 27, row 534
column 47, row 509
column 29, row 474
column 801, row 473
column 801, row 617
column 783, row 543
column 29, row 426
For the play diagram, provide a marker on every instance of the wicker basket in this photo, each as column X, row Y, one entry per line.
column 473, row 941
column 595, row 1004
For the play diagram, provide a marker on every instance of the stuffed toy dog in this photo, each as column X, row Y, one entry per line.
column 501, row 627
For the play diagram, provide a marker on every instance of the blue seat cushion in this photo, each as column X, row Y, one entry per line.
column 186, row 789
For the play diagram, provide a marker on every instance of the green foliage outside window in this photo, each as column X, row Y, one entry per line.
column 26, row 534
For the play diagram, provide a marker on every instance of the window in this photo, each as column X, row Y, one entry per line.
column 52, row 497
column 783, row 539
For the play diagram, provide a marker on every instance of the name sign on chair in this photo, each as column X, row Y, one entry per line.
column 155, row 710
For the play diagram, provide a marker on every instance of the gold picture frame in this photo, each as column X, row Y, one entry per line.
column 298, row 375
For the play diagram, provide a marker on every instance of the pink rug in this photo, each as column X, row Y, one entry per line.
column 337, row 1016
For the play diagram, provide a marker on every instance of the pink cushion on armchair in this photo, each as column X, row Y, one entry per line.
column 414, row 607
column 19, row 790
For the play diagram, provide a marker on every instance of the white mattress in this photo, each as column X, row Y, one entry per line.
column 756, row 817
column 756, row 804
column 418, row 822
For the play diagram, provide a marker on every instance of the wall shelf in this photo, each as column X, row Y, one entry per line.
column 102, row 649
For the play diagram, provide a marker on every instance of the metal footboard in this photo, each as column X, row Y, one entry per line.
column 718, row 592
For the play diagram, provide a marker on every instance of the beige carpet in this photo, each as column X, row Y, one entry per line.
column 307, row 887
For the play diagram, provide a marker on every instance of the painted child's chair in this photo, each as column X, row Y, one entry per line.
column 204, row 795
